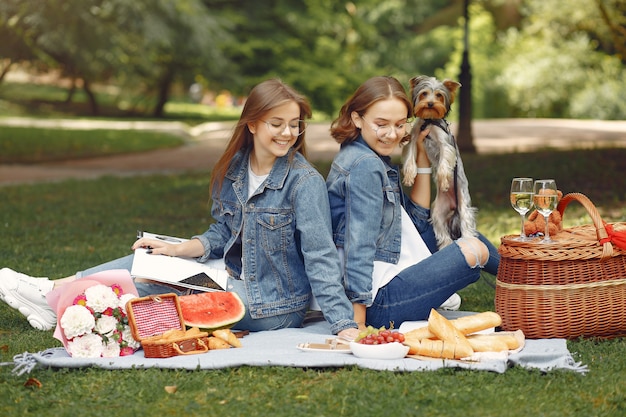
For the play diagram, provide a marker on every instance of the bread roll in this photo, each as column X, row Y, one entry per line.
column 466, row 324
column 434, row 348
column 445, row 331
column 217, row 343
column 484, row 343
column 228, row 336
column 512, row 340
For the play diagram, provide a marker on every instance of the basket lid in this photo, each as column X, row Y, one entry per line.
column 154, row 315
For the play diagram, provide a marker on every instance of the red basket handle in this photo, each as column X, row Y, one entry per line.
column 604, row 232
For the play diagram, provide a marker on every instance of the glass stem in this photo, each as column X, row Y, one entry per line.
column 547, row 234
column 523, row 233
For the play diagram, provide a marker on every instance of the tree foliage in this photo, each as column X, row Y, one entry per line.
column 541, row 58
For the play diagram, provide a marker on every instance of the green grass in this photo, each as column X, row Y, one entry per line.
column 56, row 229
column 28, row 145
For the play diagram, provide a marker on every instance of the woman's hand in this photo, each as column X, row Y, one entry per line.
column 349, row 334
column 156, row 247
column 191, row 248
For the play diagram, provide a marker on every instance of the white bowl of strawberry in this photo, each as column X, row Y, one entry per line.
column 379, row 344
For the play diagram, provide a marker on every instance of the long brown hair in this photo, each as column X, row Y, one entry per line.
column 264, row 97
column 371, row 91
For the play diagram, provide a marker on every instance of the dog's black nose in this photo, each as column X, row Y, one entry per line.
column 430, row 104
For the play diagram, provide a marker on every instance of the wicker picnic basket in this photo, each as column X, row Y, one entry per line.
column 150, row 317
column 573, row 287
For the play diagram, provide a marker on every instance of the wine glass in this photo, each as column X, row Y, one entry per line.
column 545, row 199
column 522, row 200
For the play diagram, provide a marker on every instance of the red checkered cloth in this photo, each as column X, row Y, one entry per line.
column 154, row 317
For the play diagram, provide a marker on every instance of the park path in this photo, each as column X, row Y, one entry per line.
column 205, row 143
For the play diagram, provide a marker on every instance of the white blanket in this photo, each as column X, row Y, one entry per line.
column 280, row 348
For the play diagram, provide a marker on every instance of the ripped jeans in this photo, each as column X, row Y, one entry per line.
column 412, row 293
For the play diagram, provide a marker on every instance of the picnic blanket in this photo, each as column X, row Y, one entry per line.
column 280, row 348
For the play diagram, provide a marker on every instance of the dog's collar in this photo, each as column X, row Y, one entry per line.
column 440, row 123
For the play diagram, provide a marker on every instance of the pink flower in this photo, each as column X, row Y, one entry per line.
column 81, row 300
column 117, row 289
column 127, row 351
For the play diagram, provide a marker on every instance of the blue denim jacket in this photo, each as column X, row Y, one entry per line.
column 365, row 200
column 284, row 232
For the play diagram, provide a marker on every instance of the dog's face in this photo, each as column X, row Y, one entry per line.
column 432, row 98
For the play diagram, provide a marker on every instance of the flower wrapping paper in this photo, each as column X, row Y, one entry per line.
column 63, row 297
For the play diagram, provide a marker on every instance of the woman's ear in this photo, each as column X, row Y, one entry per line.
column 251, row 127
column 356, row 119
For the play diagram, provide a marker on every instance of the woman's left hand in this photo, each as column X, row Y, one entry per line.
column 349, row 334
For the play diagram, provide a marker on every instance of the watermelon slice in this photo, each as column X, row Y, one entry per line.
column 212, row 310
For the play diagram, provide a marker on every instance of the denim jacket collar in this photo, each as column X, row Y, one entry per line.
column 238, row 171
column 386, row 159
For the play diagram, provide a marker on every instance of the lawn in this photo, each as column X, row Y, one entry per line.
column 56, row 229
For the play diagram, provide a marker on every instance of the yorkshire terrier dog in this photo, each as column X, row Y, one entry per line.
column 452, row 215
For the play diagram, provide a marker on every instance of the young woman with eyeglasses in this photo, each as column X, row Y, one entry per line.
column 272, row 226
column 392, row 269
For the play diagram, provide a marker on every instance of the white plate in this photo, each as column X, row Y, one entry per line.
column 324, row 347
column 393, row 350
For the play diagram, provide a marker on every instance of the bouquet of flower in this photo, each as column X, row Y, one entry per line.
column 96, row 323
column 91, row 315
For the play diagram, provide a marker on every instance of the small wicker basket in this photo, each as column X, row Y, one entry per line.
column 150, row 317
column 573, row 287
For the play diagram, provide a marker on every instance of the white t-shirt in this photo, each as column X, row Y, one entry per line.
column 254, row 182
column 412, row 251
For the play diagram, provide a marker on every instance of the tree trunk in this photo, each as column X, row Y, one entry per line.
column 5, row 70
column 164, row 91
column 71, row 91
column 92, row 98
column 465, row 138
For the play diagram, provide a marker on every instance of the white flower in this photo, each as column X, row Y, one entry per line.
column 100, row 297
column 124, row 299
column 77, row 321
column 105, row 325
column 87, row 346
column 111, row 349
column 127, row 336
column 96, row 324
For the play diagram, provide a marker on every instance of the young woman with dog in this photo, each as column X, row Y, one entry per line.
column 392, row 268
column 272, row 227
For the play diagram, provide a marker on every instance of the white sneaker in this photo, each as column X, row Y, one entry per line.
column 28, row 296
column 452, row 304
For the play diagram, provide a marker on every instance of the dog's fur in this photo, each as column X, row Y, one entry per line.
column 451, row 213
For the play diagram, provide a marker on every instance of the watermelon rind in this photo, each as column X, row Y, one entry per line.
column 212, row 310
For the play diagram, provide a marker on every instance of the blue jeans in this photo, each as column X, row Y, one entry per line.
column 412, row 293
column 294, row 319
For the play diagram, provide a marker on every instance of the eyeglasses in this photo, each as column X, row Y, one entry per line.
column 383, row 131
column 277, row 126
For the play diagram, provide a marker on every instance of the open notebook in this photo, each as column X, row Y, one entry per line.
column 182, row 272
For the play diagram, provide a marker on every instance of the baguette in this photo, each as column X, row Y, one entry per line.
column 445, row 331
column 434, row 348
column 512, row 340
column 467, row 325
column 483, row 343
